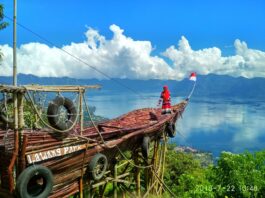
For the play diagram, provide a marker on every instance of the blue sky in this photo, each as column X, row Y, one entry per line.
column 205, row 23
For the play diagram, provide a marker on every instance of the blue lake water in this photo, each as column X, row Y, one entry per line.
column 212, row 125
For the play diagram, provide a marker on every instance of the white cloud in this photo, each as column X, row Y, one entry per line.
column 247, row 62
column 123, row 57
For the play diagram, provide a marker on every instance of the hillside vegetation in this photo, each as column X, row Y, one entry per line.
column 234, row 175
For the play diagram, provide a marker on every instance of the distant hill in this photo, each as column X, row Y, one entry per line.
column 207, row 86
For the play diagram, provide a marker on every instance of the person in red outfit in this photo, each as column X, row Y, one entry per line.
column 165, row 97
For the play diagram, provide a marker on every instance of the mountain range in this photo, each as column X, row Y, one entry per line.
column 206, row 85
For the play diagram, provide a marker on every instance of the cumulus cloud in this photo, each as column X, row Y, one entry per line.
column 123, row 57
column 246, row 62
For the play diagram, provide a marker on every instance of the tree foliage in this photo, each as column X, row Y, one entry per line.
column 185, row 176
column 234, row 175
column 2, row 24
column 239, row 175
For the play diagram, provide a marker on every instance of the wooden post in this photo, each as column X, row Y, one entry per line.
column 20, row 111
column 37, row 119
column 81, row 188
column 12, row 162
column 138, row 180
column 137, row 175
column 22, row 161
column 115, row 181
column 81, row 95
column 164, row 149
column 15, row 112
column 15, row 44
column 123, row 194
column 164, row 159
column 155, row 165
column 20, row 103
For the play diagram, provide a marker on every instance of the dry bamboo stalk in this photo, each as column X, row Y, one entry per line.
column 22, row 164
column 60, row 178
column 45, row 88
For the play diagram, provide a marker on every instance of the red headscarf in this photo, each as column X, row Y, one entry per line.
column 165, row 94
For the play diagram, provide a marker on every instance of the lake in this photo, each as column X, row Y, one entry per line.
column 214, row 125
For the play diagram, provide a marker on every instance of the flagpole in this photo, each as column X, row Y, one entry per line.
column 193, row 78
column 192, row 90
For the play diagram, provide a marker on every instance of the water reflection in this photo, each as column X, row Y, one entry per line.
column 208, row 124
column 231, row 126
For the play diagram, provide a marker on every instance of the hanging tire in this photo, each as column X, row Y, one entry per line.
column 98, row 166
column 53, row 113
column 35, row 181
column 171, row 129
column 3, row 111
column 145, row 147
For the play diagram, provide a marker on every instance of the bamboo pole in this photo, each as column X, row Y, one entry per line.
column 81, row 187
column 20, row 100
column 164, row 160
column 115, row 186
column 137, row 175
column 45, row 88
column 22, row 163
column 81, row 111
column 20, row 104
column 15, row 43
column 152, row 177
column 123, row 194
column 159, row 167
column 109, row 179
column 12, row 162
column 102, row 190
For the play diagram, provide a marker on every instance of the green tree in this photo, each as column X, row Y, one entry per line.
column 2, row 24
column 239, row 175
column 185, row 176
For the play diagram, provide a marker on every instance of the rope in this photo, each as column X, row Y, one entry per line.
column 78, row 59
column 94, row 125
column 44, row 122
column 180, row 133
column 84, row 62
column 167, row 188
column 102, row 139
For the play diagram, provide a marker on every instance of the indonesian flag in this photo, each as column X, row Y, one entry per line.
column 193, row 76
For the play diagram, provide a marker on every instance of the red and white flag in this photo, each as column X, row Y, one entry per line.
column 193, row 76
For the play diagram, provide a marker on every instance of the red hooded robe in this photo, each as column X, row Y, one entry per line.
column 165, row 96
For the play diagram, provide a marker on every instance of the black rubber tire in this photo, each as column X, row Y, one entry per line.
column 171, row 130
column 145, row 147
column 98, row 166
column 53, row 110
column 27, row 183
column 3, row 115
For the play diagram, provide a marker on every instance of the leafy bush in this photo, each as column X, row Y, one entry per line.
column 235, row 175
column 240, row 175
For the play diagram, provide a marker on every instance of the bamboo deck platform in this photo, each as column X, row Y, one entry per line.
column 68, row 157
